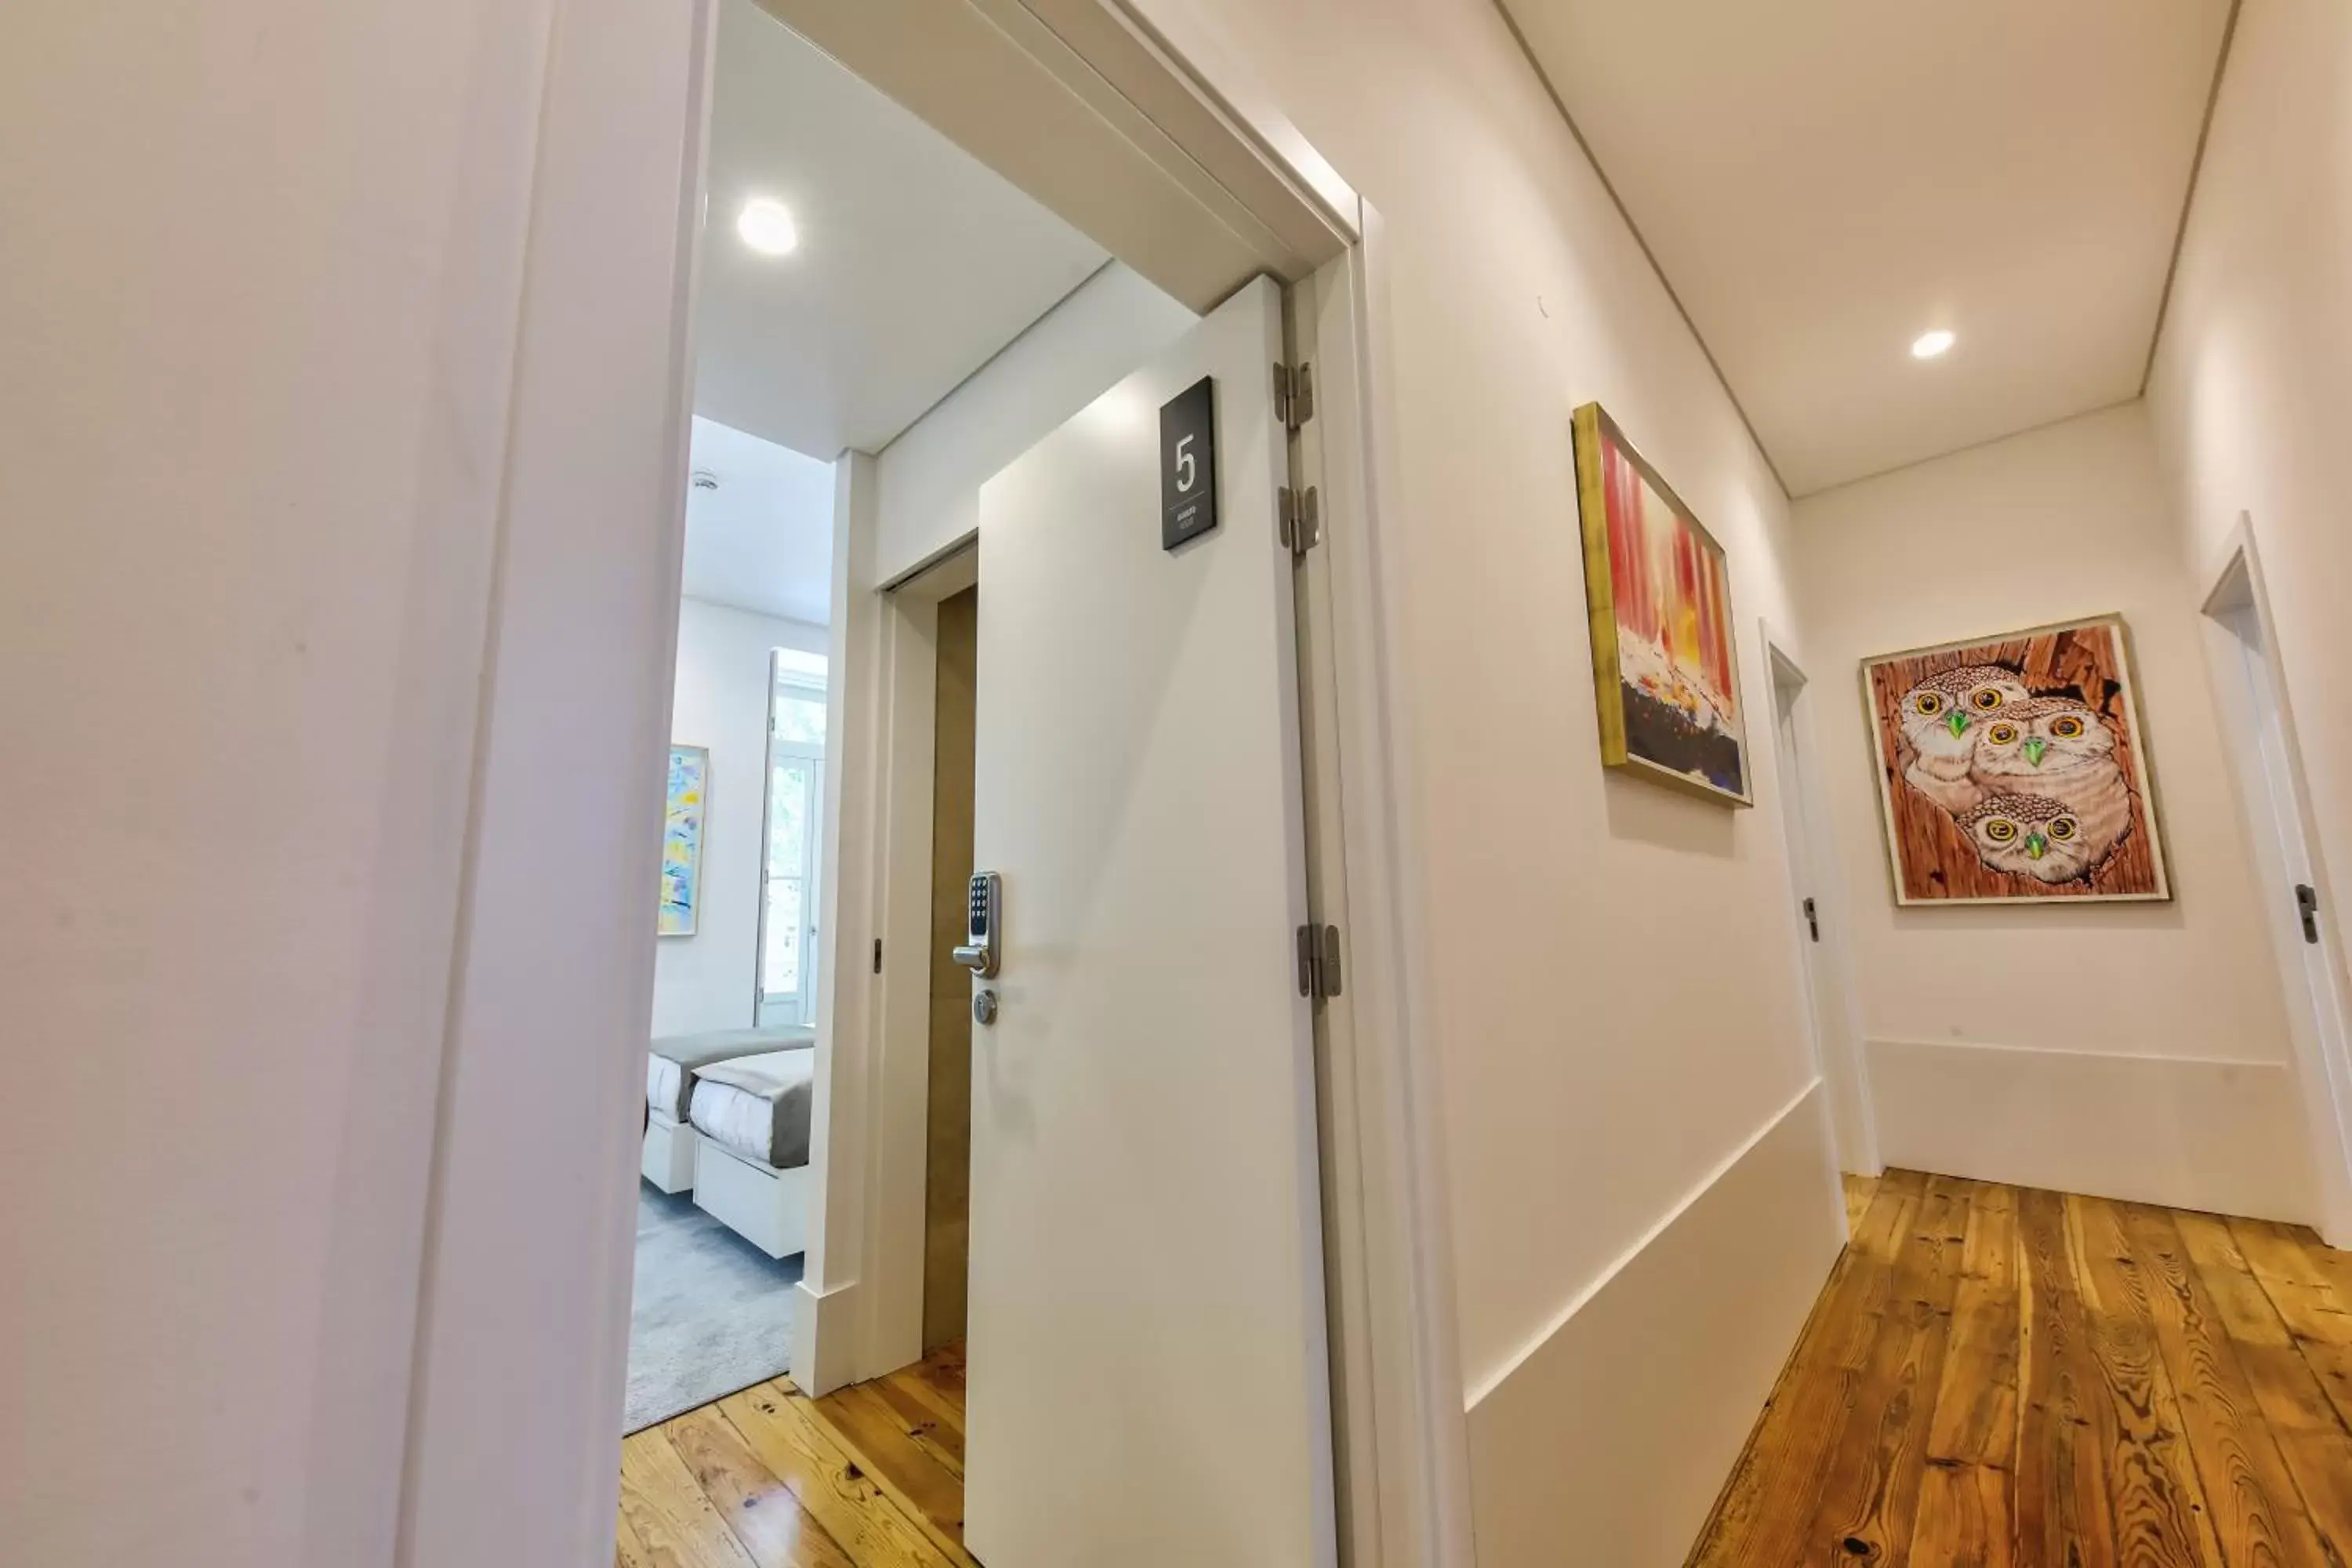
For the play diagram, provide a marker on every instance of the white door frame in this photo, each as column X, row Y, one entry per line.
column 1824, row 968
column 2250, row 689
column 524, row 1303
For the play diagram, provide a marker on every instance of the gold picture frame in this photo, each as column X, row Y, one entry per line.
column 1666, row 656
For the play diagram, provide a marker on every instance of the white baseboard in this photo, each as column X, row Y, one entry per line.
column 824, row 1331
column 2226, row 1136
column 1610, row 1439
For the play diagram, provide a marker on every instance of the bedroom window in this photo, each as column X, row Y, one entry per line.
column 788, row 944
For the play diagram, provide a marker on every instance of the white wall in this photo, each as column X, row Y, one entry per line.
column 2253, row 373
column 706, row 981
column 929, row 478
column 259, row 294
column 1610, row 984
column 2133, row 1050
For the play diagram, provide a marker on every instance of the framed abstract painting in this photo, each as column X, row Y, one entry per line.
column 1666, row 672
column 682, row 822
column 2011, row 769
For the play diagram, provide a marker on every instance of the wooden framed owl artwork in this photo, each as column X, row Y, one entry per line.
column 2011, row 768
column 1658, row 590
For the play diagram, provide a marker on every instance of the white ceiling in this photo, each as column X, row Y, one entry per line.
column 763, row 540
column 1821, row 181
column 915, row 262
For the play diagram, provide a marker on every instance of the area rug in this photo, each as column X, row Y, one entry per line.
column 711, row 1312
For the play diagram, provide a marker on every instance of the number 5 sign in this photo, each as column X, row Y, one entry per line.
column 1188, row 464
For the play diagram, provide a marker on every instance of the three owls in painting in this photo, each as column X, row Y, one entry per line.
column 2032, row 782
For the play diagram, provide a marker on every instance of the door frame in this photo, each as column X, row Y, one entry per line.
column 1825, row 971
column 2314, row 988
column 1124, row 117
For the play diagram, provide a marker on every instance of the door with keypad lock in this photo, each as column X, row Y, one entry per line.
column 1145, row 1088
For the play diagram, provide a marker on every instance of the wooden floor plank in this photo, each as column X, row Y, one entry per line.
column 1976, row 1407
column 777, row 1423
column 2160, row 1514
column 1868, row 1501
column 2296, row 1410
column 2256, row 1510
column 2304, row 1296
column 2118, row 1385
column 916, row 1404
column 2066, row 1429
column 766, row 1518
column 1763, row 1512
column 676, row 1526
column 1965, row 1518
column 896, row 1454
column 629, row 1550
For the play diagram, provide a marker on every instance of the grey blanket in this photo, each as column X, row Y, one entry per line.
column 785, row 1081
column 694, row 1052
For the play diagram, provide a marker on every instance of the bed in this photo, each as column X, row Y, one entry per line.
column 671, row 1069
column 749, row 1118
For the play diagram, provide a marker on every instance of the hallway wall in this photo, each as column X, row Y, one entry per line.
column 1610, row 986
column 2127, row 1050
column 2253, row 374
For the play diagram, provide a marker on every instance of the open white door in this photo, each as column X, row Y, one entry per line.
column 1148, row 1374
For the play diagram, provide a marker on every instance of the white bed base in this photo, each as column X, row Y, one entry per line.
column 670, row 1156
column 766, row 1206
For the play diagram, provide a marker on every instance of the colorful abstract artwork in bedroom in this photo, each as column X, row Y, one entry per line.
column 1658, row 589
column 682, row 818
column 2011, row 768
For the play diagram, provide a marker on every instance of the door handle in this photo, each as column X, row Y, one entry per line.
column 974, row 958
column 2306, row 905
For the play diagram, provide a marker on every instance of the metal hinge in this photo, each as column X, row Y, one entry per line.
column 1294, row 395
column 1301, row 513
column 877, row 956
column 1318, row 960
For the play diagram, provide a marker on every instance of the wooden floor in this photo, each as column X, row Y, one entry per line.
column 868, row 1476
column 2003, row 1376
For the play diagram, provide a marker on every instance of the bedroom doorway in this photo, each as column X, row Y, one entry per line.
column 1815, row 896
column 1217, row 201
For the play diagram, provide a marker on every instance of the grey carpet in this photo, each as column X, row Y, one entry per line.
column 711, row 1312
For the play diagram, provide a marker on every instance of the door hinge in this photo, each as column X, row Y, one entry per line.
column 1294, row 395
column 1318, row 960
column 1812, row 919
column 2307, row 907
column 1301, row 513
column 877, row 956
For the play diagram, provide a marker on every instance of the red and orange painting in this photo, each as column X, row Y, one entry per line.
column 1666, row 672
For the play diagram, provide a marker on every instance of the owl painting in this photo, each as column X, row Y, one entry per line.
column 1943, row 717
column 2011, row 768
column 2032, row 836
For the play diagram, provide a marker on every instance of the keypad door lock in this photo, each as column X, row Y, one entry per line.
column 983, row 912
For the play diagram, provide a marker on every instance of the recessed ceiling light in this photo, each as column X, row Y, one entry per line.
column 767, row 227
column 1927, row 345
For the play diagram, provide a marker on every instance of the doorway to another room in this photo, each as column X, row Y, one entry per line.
column 1815, row 889
column 2280, row 835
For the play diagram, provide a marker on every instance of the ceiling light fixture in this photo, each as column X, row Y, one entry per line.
column 767, row 227
column 1927, row 345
